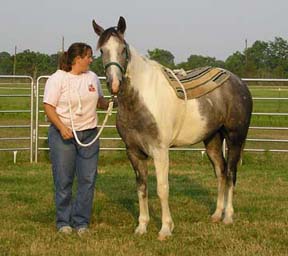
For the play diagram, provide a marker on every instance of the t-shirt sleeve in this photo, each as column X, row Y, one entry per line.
column 52, row 90
column 99, row 88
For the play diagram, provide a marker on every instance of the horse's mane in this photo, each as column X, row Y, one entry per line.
column 107, row 34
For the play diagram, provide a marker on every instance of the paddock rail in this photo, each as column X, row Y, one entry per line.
column 201, row 149
column 12, row 87
column 9, row 84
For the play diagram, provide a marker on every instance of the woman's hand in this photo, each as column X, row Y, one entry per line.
column 53, row 117
column 102, row 103
column 66, row 133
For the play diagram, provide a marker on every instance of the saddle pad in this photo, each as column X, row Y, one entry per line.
column 197, row 82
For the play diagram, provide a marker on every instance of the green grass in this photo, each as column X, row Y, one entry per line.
column 260, row 202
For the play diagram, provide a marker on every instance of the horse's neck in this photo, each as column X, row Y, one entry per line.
column 146, row 84
column 141, row 70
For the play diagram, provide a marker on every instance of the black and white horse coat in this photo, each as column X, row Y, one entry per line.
column 151, row 119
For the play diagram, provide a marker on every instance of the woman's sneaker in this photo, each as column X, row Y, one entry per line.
column 82, row 231
column 65, row 230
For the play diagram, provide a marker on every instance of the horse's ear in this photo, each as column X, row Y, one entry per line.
column 121, row 27
column 98, row 29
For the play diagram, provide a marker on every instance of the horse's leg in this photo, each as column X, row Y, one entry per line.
column 214, row 151
column 234, row 143
column 138, row 161
column 161, row 161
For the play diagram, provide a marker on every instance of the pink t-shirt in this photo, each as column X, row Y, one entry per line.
column 83, row 94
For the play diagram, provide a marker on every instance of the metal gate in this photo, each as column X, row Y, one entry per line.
column 112, row 138
column 16, row 93
column 272, row 129
column 109, row 136
column 20, row 92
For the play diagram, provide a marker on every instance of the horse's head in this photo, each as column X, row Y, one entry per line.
column 114, row 52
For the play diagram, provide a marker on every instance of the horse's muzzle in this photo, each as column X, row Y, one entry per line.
column 114, row 86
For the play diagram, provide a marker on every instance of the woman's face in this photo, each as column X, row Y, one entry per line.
column 84, row 62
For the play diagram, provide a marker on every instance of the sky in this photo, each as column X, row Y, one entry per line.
column 183, row 27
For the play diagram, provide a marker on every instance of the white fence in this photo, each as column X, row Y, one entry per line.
column 272, row 114
column 13, row 87
column 38, row 123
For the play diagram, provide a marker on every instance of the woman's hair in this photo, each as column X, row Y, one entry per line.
column 75, row 50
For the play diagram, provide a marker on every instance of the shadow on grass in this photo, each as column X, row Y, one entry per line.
column 120, row 191
column 192, row 190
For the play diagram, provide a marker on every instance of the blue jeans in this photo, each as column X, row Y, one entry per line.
column 69, row 159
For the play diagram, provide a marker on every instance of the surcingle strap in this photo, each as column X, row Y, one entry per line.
column 197, row 82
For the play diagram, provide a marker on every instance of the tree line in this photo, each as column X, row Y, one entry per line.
column 261, row 60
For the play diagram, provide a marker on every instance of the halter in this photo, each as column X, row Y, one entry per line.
column 113, row 63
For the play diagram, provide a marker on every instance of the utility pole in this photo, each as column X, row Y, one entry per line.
column 246, row 50
column 246, row 57
column 61, row 51
column 62, row 44
column 14, row 62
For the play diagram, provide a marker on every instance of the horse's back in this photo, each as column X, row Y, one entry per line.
column 229, row 106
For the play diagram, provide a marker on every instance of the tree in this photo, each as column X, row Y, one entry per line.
column 262, row 59
column 278, row 57
column 267, row 59
column 236, row 63
column 97, row 66
column 54, row 61
column 196, row 61
column 35, row 63
column 6, row 63
column 257, row 57
column 164, row 57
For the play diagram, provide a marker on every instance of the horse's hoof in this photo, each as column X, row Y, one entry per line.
column 164, row 234
column 141, row 230
column 228, row 220
column 216, row 218
column 163, row 237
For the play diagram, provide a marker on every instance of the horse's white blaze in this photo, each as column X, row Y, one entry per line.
column 113, row 46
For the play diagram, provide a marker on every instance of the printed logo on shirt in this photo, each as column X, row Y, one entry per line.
column 91, row 88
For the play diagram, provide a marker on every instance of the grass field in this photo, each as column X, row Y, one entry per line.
column 260, row 201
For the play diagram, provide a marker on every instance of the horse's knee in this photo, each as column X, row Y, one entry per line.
column 142, row 190
column 162, row 191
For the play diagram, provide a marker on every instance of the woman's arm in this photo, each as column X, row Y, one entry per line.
column 53, row 117
column 104, row 103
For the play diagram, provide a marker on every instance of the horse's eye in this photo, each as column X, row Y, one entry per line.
column 101, row 51
column 124, row 51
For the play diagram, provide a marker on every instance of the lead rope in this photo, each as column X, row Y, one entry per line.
column 108, row 113
column 185, row 102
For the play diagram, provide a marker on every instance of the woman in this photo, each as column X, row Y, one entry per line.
column 75, row 86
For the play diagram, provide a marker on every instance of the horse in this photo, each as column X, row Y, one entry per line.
column 151, row 119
